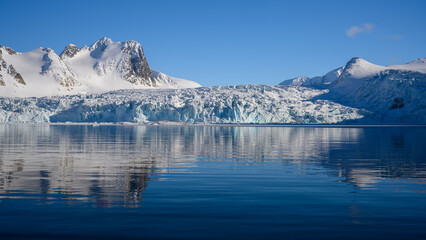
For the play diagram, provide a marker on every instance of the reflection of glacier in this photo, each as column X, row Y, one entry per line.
column 79, row 162
column 110, row 164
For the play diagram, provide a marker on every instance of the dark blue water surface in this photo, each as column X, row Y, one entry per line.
column 212, row 182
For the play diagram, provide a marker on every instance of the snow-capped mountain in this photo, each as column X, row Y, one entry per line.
column 353, row 73
column 315, row 81
column 393, row 93
column 357, row 93
column 104, row 66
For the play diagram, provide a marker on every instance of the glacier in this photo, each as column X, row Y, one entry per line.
column 224, row 104
column 111, row 82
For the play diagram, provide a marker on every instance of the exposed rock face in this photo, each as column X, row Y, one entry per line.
column 126, row 58
column 398, row 102
column 9, row 50
column 11, row 70
column 1, row 59
column 70, row 51
column 103, row 66
column 137, row 71
column 56, row 67
column 2, row 63
column 101, row 44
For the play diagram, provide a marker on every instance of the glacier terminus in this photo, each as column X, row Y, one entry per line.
column 112, row 82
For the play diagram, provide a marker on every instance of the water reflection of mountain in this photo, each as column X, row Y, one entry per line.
column 381, row 153
column 110, row 164
column 106, row 165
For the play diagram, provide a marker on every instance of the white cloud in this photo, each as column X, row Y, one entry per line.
column 354, row 30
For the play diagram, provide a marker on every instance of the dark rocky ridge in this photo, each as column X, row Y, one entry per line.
column 61, row 73
column 9, row 69
column 138, row 71
column 70, row 51
column 104, row 65
column 2, row 63
column 9, row 50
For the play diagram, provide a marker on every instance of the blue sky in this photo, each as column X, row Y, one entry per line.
column 228, row 42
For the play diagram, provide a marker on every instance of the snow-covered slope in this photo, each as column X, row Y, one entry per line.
column 104, row 66
column 353, row 73
column 315, row 81
column 164, row 81
column 233, row 104
column 418, row 65
column 394, row 94
column 297, row 81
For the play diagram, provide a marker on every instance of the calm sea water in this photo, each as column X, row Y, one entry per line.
column 207, row 182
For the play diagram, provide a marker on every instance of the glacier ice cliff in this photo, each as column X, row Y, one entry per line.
column 228, row 104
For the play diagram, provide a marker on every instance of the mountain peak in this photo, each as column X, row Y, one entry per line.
column 105, row 40
column 131, row 43
column 70, row 51
column 418, row 65
column 360, row 68
column 418, row 61
column 102, row 42
column 354, row 73
column 9, row 50
column 105, row 66
column 354, row 59
column 357, row 61
column 46, row 49
column 132, row 47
